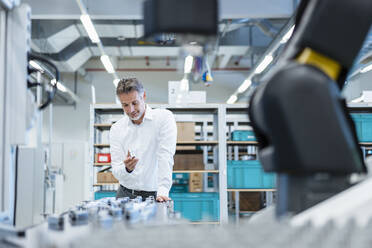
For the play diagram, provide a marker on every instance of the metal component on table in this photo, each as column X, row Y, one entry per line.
column 56, row 222
column 78, row 217
column 116, row 212
column 150, row 199
column 265, row 231
column 105, row 220
column 9, row 231
column 175, row 215
column 170, row 205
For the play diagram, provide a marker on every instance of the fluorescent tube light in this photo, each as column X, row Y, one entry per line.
column 244, row 85
column 265, row 62
column 116, row 81
column 184, row 85
column 232, row 99
column 287, row 36
column 60, row 86
column 107, row 64
column 367, row 68
column 35, row 65
column 188, row 64
column 88, row 25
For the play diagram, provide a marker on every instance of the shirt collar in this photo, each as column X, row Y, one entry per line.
column 149, row 115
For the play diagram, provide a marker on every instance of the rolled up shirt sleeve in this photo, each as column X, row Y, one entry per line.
column 166, row 149
column 117, row 155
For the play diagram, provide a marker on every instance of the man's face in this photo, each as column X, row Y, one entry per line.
column 133, row 104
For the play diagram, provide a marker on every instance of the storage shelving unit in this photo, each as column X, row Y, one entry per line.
column 210, row 121
column 237, row 119
column 214, row 122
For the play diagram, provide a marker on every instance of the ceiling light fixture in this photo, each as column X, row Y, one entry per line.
column 367, row 68
column 107, row 63
column 232, row 99
column 265, row 62
column 287, row 36
column 188, row 64
column 35, row 65
column 245, row 85
column 116, row 82
column 60, row 86
column 88, row 25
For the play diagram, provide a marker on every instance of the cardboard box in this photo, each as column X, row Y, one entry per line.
column 177, row 94
column 106, row 177
column 196, row 182
column 197, row 97
column 249, row 201
column 188, row 162
column 185, row 132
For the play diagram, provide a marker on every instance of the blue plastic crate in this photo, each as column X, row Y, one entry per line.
column 248, row 174
column 179, row 188
column 363, row 126
column 180, row 176
column 103, row 194
column 197, row 206
column 180, row 181
column 268, row 180
column 243, row 135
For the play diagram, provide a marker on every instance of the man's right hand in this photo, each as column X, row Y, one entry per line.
column 130, row 162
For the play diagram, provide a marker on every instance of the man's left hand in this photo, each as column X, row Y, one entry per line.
column 162, row 198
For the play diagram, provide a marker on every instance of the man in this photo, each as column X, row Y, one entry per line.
column 142, row 145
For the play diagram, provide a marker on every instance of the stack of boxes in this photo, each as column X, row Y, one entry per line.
column 105, row 176
column 248, row 174
column 180, row 183
column 242, row 174
column 187, row 190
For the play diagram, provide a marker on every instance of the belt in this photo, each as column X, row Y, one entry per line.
column 137, row 192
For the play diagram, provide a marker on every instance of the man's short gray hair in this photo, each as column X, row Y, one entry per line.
column 126, row 85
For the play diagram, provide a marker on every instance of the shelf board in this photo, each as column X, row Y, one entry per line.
column 183, row 143
column 247, row 212
column 102, row 164
column 230, row 142
column 250, row 190
column 365, row 143
column 102, row 126
column 215, row 142
column 101, row 145
column 104, row 184
column 196, row 171
column 204, row 222
column 197, row 142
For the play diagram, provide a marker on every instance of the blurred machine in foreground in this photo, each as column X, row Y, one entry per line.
column 298, row 114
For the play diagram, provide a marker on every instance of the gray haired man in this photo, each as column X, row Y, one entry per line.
column 142, row 145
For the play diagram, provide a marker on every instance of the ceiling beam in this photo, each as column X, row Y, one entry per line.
column 225, row 60
column 129, row 9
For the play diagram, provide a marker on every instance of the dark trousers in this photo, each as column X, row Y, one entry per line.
column 124, row 192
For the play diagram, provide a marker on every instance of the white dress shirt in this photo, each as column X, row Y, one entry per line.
column 153, row 143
